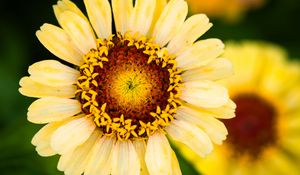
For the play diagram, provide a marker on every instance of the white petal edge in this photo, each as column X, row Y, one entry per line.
column 60, row 44
column 53, row 73
column 140, row 148
column 141, row 16
column 194, row 27
column 190, row 135
column 125, row 160
column 72, row 134
column 205, row 94
column 32, row 88
column 218, row 69
column 158, row 154
column 200, row 53
column 214, row 128
column 122, row 9
column 170, row 21
column 100, row 160
column 99, row 13
column 50, row 109
column 79, row 30
column 74, row 162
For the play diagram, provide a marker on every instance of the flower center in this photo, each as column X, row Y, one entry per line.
column 129, row 86
column 253, row 128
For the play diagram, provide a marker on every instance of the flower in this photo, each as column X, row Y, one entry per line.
column 110, row 113
column 230, row 10
column 264, row 136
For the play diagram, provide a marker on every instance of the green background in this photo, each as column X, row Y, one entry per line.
column 277, row 22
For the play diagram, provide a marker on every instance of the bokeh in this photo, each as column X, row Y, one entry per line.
column 275, row 21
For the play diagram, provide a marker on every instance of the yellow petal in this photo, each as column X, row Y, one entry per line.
column 191, row 30
column 158, row 155
column 100, row 160
column 99, row 13
column 122, row 10
column 170, row 21
column 66, row 5
column 191, row 136
column 214, row 128
column 79, row 30
column 51, row 109
column 205, row 94
column 227, row 111
column 43, row 137
column 200, row 53
column 125, row 160
column 72, row 134
column 140, row 148
column 141, row 16
column 53, row 73
column 59, row 43
column 74, row 162
column 216, row 70
column 31, row 88
column 160, row 5
column 175, row 165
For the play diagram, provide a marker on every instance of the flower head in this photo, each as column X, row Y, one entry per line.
column 264, row 136
column 128, row 89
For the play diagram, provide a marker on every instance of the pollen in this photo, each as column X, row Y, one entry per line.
column 130, row 86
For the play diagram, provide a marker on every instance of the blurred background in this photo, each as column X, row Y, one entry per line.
column 275, row 21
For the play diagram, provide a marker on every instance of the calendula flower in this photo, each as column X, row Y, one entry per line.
column 110, row 112
column 230, row 10
column 264, row 136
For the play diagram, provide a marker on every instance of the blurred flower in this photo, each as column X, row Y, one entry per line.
column 230, row 10
column 264, row 137
column 110, row 114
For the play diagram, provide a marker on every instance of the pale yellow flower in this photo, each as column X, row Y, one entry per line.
column 264, row 137
column 230, row 10
column 110, row 113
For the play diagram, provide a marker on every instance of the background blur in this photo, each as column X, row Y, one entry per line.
column 277, row 21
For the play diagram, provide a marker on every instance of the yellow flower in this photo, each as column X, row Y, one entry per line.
column 264, row 136
column 230, row 10
column 128, row 89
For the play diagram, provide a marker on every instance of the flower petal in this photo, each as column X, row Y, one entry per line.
column 50, row 109
column 170, row 21
column 141, row 16
column 175, row 165
column 140, row 148
column 204, row 94
column 227, row 111
column 79, row 30
column 214, row 128
column 215, row 70
column 74, row 162
column 125, row 160
column 191, row 30
column 100, row 160
column 122, row 10
column 99, row 13
column 72, row 134
column 158, row 155
column 53, row 73
column 43, row 137
column 160, row 5
column 59, row 43
column 190, row 135
column 200, row 53
column 66, row 5
column 31, row 88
